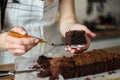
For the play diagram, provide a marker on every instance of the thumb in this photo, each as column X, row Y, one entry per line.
column 20, row 30
column 91, row 34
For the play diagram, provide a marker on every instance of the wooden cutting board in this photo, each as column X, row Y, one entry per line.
column 7, row 67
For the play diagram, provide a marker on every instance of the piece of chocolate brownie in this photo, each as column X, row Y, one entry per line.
column 75, row 37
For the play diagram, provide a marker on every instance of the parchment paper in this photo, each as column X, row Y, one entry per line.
column 24, row 63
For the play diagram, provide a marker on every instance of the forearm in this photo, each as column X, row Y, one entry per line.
column 67, row 15
column 2, row 41
column 66, row 25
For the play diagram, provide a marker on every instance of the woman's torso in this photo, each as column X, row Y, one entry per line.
column 35, row 16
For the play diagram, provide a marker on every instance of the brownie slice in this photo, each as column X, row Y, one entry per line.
column 75, row 37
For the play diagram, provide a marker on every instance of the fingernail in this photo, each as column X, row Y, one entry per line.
column 72, row 51
column 23, row 32
column 66, row 49
column 78, row 48
column 69, row 49
column 37, row 40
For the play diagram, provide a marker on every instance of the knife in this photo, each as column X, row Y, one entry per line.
column 7, row 73
column 17, row 35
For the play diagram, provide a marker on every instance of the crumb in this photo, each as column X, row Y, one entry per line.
column 29, row 67
column 16, row 67
column 36, row 67
column 111, row 72
column 87, row 78
column 52, row 44
column 34, row 61
column 94, row 77
column 102, row 75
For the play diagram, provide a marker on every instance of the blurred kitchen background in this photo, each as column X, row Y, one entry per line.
column 101, row 17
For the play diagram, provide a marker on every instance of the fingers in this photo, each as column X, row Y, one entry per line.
column 22, row 41
column 82, row 27
column 20, row 30
column 75, row 50
column 19, row 46
column 18, row 50
column 13, row 48
column 91, row 34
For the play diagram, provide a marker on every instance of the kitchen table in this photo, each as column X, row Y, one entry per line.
column 7, row 67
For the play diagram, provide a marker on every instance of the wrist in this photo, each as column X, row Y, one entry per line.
column 64, row 27
column 3, row 41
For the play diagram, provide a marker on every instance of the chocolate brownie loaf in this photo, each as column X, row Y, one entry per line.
column 87, row 63
column 75, row 37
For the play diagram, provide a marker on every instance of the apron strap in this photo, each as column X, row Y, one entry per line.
column 3, row 4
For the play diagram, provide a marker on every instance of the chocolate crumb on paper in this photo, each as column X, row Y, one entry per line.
column 111, row 72
column 87, row 78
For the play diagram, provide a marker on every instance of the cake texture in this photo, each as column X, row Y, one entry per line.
column 87, row 63
column 75, row 37
column 44, row 64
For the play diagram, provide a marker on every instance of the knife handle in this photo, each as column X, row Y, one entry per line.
column 17, row 35
column 4, row 73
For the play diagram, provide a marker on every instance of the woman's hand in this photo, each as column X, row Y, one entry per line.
column 89, row 35
column 19, row 46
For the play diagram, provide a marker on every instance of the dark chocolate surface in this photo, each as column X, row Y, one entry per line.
column 75, row 37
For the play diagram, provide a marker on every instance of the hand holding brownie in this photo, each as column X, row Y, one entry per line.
column 68, row 20
column 88, row 34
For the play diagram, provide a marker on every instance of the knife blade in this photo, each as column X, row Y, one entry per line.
column 7, row 73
